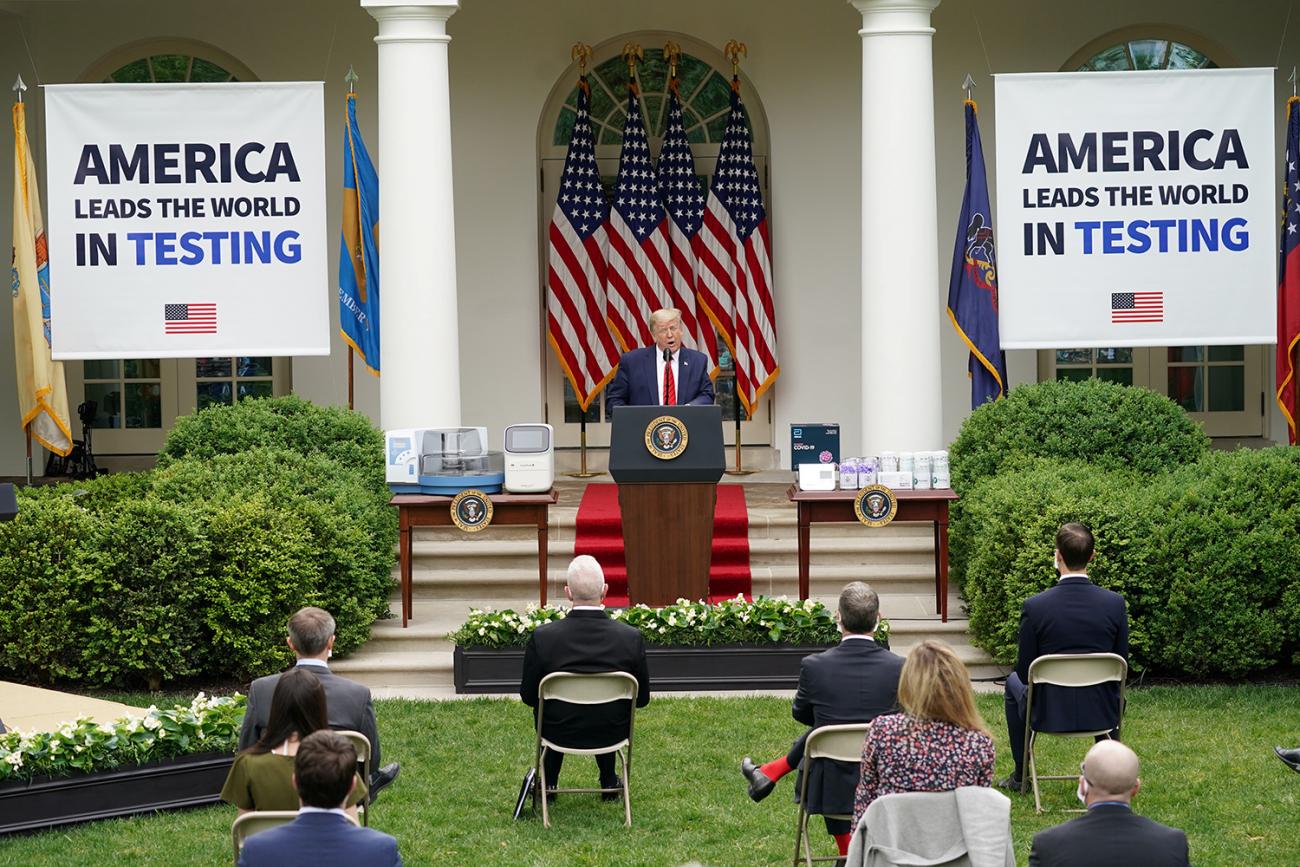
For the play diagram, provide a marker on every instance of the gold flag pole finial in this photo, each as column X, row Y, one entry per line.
column 632, row 53
column 351, row 78
column 672, row 53
column 580, row 52
column 19, row 87
column 734, row 51
column 967, row 85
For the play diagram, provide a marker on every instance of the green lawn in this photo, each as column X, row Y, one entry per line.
column 1208, row 768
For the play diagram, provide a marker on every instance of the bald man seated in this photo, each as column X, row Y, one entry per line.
column 586, row 641
column 1109, row 832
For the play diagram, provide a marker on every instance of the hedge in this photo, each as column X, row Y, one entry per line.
column 192, row 569
column 1206, row 556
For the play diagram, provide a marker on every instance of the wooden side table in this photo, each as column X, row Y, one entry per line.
column 428, row 510
column 837, row 507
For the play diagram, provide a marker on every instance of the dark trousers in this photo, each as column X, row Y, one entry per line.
column 1013, row 701
column 795, row 759
column 553, row 760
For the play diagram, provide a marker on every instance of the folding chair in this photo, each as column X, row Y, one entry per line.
column 248, row 824
column 592, row 689
column 841, row 743
column 362, row 745
column 1070, row 670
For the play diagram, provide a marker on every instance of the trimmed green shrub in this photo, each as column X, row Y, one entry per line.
column 194, row 568
column 1206, row 556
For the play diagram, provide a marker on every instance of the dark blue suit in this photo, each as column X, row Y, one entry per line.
column 637, row 380
column 320, row 840
column 1075, row 616
column 1109, row 834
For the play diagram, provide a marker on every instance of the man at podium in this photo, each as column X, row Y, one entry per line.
column 666, row 374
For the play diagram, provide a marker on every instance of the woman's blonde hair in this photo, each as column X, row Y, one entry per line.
column 935, row 685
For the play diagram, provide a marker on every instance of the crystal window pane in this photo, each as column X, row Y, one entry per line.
column 1184, row 57
column 573, row 413
column 601, row 103
column 1120, row 375
column 256, row 388
column 1227, row 353
column 212, row 394
column 614, row 73
column 1227, row 389
column 1115, row 57
column 170, row 67
column 1074, row 356
column 690, row 72
column 717, row 127
column 697, row 134
column 99, row 369
column 725, row 389
column 142, row 368
column 612, row 136
column 714, row 96
column 143, row 404
column 1148, row 53
column 1186, row 353
column 564, row 127
column 211, row 367
column 133, row 73
column 572, row 101
column 205, row 70
column 1072, row 374
column 652, row 120
column 254, row 366
column 1115, row 355
column 652, row 72
column 108, row 398
column 1186, row 388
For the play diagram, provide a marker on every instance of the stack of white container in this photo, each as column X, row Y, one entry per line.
column 901, row 471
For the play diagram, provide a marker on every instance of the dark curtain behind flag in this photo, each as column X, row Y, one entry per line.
column 359, row 251
column 1288, row 289
column 973, row 288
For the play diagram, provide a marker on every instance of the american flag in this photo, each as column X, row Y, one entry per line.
column 685, row 201
column 1288, row 289
column 576, row 323
column 190, row 318
column 638, row 278
column 1137, row 307
column 735, row 264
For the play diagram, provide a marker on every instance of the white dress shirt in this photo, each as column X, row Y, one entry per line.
column 659, row 368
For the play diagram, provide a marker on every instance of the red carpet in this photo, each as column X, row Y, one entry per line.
column 600, row 533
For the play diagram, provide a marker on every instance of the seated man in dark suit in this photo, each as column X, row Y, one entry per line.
column 311, row 638
column 1109, row 832
column 324, row 772
column 666, row 374
column 854, row 682
column 1075, row 616
column 586, row 641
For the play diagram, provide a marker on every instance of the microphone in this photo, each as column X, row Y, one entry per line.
column 668, row 354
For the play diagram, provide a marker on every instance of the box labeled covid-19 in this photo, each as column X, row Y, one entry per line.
column 814, row 443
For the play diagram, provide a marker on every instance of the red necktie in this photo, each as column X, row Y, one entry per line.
column 670, row 388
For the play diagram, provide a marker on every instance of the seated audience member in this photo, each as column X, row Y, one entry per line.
column 262, row 776
column 1109, row 833
column 1290, row 758
column 586, row 641
column 311, row 638
column 324, row 774
column 1074, row 616
column 854, row 682
column 937, row 744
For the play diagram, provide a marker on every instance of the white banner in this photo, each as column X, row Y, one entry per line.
column 187, row 220
column 1136, row 208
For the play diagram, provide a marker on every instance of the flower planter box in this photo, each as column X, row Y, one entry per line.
column 672, row 668
column 45, row 802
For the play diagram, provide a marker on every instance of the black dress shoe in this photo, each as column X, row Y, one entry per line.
column 1290, row 757
column 1011, row 782
column 760, row 784
column 612, row 796
column 382, row 777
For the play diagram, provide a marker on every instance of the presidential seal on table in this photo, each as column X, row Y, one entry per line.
column 875, row 505
column 665, row 437
column 471, row 510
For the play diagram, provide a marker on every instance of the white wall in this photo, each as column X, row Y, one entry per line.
column 506, row 55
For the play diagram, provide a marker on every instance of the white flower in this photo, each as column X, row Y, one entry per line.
column 151, row 722
column 520, row 629
column 482, row 631
column 108, row 728
column 663, row 629
column 15, row 759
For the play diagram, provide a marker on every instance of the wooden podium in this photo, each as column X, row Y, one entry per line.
column 667, row 501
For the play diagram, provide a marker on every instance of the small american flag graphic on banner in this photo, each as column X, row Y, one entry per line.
column 190, row 318
column 1137, row 307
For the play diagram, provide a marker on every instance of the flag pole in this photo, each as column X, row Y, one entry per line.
column 351, row 79
column 27, row 430
column 583, row 472
column 738, row 470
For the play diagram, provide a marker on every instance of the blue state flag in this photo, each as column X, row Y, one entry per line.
column 359, row 250
column 973, row 289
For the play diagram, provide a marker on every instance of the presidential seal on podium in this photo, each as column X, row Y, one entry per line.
column 471, row 510
column 665, row 437
column 875, row 505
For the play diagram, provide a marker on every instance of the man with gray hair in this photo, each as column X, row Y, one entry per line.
column 1109, row 832
column 854, row 682
column 348, row 703
column 586, row 641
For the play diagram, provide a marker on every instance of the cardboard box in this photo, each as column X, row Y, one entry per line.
column 814, row 443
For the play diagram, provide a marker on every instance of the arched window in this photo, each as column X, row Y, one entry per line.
column 1148, row 54
column 168, row 68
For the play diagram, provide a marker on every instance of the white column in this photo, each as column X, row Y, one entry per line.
column 901, row 398
column 420, row 352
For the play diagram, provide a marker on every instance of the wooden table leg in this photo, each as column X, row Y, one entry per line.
column 941, row 532
column 804, row 541
column 404, row 545
column 542, row 554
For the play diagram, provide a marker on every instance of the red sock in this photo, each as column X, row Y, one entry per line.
column 776, row 770
column 842, row 840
